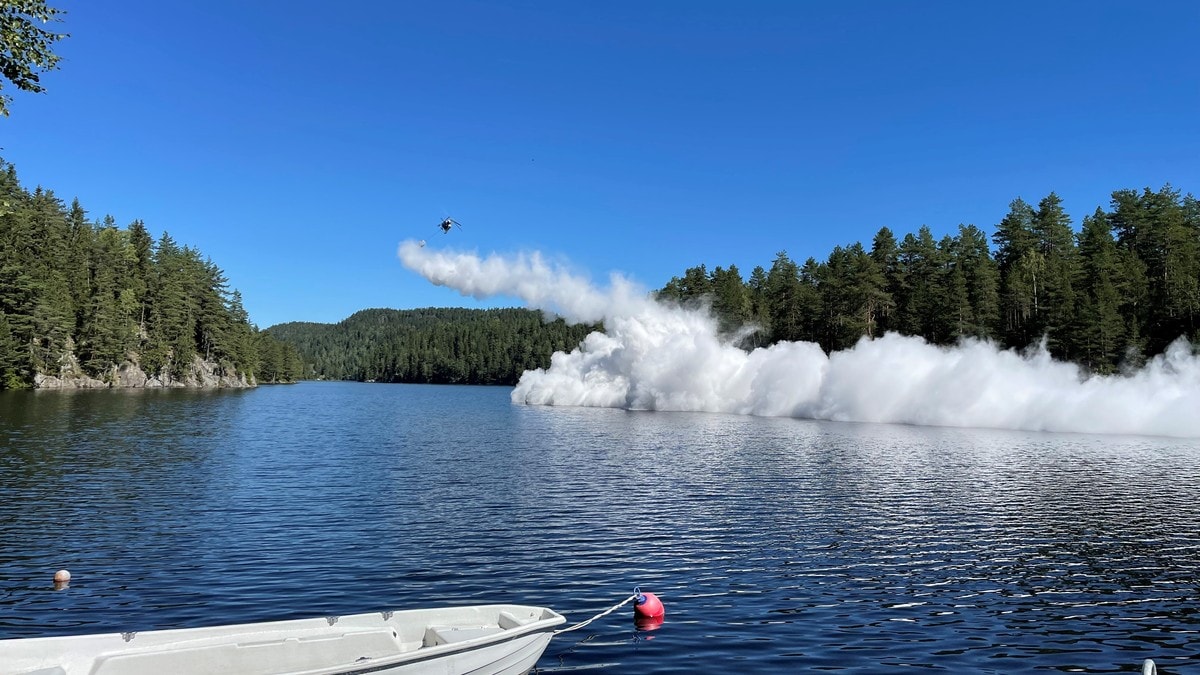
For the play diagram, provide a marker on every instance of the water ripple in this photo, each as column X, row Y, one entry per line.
column 777, row 544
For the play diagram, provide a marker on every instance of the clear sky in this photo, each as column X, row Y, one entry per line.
column 296, row 143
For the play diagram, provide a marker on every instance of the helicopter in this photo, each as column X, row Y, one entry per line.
column 449, row 223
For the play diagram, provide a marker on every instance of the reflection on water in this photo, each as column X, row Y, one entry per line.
column 775, row 544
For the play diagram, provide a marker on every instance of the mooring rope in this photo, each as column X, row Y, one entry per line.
column 606, row 612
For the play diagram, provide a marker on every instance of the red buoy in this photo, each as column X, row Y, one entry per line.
column 647, row 605
column 647, row 624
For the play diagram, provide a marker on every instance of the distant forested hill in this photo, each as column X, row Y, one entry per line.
column 84, row 303
column 435, row 345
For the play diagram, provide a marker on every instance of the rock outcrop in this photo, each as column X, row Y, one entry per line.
column 200, row 374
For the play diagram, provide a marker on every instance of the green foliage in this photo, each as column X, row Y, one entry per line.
column 759, row 322
column 886, row 254
column 923, row 295
column 98, row 295
column 1110, row 296
column 1056, row 316
column 694, row 285
column 73, row 291
column 435, row 345
column 26, row 47
column 278, row 361
column 1115, row 293
column 973, row 267
column 731, row 299
column 724, row 290
column 1100, row 328
column 792, row 303
column 10, row 362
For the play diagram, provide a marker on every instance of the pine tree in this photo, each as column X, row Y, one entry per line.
column 18, row 284
column 692, row 290
column 10, row 360
column 1056, row 316
column 107, row 331
column 1189, row 235
column 1100, row 327
column 886, row 254
column 170, row 338
column 1181, row 268
column 924, row 294
column 141, row 278
column 853, row 295
column 981, row 278
column 52, row 316
column 788, row 299
column 731, row 299
column 79, row 247
column 1157, row 229
column 1021, row 267
column 760, row 309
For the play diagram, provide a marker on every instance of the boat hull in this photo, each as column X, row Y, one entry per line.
column 488, row 639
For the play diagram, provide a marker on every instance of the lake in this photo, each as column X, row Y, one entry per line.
column 776, row 545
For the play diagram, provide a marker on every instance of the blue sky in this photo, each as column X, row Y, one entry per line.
column 296, row 143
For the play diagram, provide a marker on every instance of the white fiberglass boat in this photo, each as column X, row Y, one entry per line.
column 484, row 640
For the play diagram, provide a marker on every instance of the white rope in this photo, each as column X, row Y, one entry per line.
column 606, row 612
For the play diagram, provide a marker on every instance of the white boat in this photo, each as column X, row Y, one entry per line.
column 485, row 639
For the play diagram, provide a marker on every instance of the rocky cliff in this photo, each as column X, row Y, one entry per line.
column 200, row 374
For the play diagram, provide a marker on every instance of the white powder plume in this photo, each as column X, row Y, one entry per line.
column 655, row 356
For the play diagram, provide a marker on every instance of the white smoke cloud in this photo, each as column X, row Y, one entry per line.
column 658, row 357
column 540, row 284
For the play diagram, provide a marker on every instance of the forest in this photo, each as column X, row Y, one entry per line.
column 1108, row 296
column 431, row 346
column 87, row 295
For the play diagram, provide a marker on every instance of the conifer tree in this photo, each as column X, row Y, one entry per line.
column 1180, row 313
column 731, row 299
column 924, row 294
column 886, row 253
column 789, row 299
column 1056, row 316
column 1021, row 267
column 981, row 279
column 852, row 290
column 141, row 277
column 1100, row 327
column 78, row 261
column 107, row 331
column 10, row 361
column 760, row 311
column 18, row 286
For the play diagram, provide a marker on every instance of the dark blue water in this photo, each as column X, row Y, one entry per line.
column 777, row 545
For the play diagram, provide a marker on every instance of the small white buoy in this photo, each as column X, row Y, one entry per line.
column 62, row 576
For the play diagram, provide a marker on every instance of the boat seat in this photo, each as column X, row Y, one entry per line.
column 508, row 621
column 444, row 635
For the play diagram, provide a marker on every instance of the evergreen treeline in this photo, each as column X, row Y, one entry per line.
column 1115, row 292
column 434, row 346
column 76, row 291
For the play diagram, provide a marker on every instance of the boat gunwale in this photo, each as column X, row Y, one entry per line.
column 90, row 649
